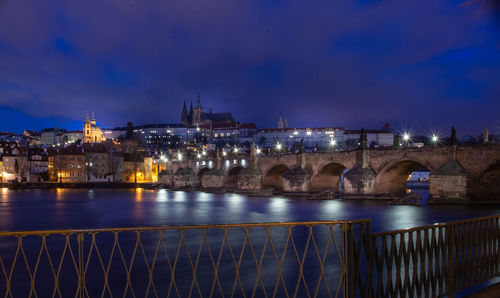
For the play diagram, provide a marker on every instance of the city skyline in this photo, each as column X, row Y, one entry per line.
column 351, row 64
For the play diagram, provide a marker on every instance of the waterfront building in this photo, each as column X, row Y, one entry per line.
column 91, row 132
column 98, row 163
column 67, row 164
column 15, row 167
column 38, row 164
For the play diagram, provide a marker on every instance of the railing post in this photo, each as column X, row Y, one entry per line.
column 81, row 279
column 450, row 287
column 344, row 259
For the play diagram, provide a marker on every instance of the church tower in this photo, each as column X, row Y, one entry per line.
column 91, row 132
column 184, row 115
column 198, row 111
column 86, row 130
column 190, row 122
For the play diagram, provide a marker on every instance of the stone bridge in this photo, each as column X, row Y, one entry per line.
column 456, row 171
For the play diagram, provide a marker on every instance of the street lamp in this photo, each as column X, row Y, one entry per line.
column 236, row 150
column 278, row 146
column 258, row 151
column 332, row 142
column 224, row 153
column 179, row 156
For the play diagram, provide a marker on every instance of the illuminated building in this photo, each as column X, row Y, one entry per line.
column 91, row 132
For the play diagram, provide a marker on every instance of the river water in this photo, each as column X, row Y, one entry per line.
column 78, row 208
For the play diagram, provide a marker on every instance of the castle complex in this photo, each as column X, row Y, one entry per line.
column 197, row 116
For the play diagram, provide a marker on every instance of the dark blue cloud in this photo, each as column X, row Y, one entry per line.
column 343, row 63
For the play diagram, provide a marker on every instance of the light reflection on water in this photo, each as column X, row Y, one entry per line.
column 100, row 208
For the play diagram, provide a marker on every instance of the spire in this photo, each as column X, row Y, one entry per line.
column 286, row 123
column 184, row 115
column 280, row 123
column 93, row 119
column 87, row 121
column 198, row 102
column 191, row 114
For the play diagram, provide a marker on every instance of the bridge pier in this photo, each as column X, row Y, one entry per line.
column 213, row 178
column 448, row 183
column 184, row 177
column 298, row 179
column 359, row 181
column 249, row 179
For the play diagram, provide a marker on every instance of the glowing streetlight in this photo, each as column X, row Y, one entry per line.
column 204, row 153
column 224, row 153
column 199, row 155
column 179, row 156
column 258, row 151
column 434, row 139
column 236, row 150
column 406, row 137
column 278, row 146
column 332, row 142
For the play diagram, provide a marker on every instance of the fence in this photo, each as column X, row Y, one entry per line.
column 430, row 261
column 295, row 259
column 299, row 259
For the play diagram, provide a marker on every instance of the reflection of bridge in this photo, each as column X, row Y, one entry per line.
column 465, row 171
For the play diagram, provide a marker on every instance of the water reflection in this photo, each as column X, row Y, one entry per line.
column 179, row 196
column 332, row 207
column 204, row 197
column 162, row 196
column 278, row 205
column 73, row 208
column 60, row 193
column 404, row 217
column 138, row 194
column 5, row 195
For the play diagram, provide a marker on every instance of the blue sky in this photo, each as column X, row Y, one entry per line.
column 422, row 64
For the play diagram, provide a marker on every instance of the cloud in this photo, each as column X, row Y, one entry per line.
column 346, row 63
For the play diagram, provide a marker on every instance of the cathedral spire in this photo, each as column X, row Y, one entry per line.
column 93, row 119
column 184, row 115
column 87, row 118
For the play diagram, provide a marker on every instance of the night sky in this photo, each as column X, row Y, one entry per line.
column 419, row 64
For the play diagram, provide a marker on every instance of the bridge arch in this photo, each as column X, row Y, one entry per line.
column 202, row 171
column 232, row 176
column 327, row 177
column 393, row 177
column 274, row 177
column 486, row 186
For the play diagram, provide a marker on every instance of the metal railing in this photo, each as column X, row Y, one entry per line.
column 297, row 259
column 430, row 261
column 294, row 259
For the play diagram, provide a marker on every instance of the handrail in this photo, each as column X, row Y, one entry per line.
column 180, row 227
